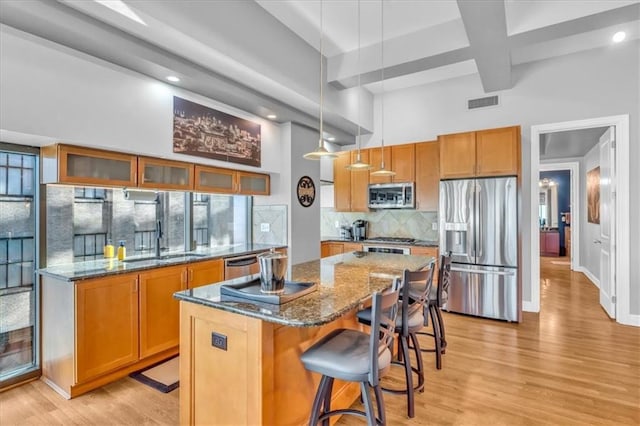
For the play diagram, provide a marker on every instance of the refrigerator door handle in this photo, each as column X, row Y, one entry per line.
column 479, row 221
column 483, row 272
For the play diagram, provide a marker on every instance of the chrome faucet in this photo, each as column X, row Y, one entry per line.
column 158, row 237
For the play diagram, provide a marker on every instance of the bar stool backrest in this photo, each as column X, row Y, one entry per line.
column 413, row 301
column 444, row 278
column 384, row 310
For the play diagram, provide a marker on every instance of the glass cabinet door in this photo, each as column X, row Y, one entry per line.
column 95, row 167
column 253, row 183
column 156, row 173
column 212, row 179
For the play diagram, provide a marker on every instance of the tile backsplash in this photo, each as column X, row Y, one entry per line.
column 384, row 223
column 270, row 224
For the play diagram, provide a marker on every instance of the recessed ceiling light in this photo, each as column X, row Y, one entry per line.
column 272, row 116
column 173, row 78
column 331, row 139
column 619, row 36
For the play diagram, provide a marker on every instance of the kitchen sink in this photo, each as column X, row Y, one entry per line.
column 187, row 256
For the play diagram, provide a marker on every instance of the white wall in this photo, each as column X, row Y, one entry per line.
column 304, row 239
column 594, row 83
column 48, row 90
column 589, row 251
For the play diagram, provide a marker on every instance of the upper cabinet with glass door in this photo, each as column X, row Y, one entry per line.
column 165, row 174
column 253, row 183
column 76, row 165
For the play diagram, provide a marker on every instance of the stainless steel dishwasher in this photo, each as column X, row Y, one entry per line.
column 241, row 266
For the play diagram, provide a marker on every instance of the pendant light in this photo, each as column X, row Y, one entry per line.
column 382, row 171
column 321, row 151
column 359, row 164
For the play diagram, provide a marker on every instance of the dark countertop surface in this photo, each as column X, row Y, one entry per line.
column 371, row 241
column 103, row 267
column 344, row 282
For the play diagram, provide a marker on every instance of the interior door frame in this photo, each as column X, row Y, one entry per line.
column 574, row 200
column 622, row 262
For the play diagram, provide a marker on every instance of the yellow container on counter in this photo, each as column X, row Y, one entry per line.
column 122, row 251
column 109, row 250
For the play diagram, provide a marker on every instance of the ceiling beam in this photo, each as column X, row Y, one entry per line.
column 486, row 26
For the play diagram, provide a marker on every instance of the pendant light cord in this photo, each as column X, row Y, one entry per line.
column 320, row 140
column 358, row 158
column 382, row 60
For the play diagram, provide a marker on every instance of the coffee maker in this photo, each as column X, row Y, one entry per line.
column 359, row 230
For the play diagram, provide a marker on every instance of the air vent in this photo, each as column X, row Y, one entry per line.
column 483, row 102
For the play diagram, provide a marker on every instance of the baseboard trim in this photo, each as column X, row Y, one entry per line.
column 530, row 306
column 629, row 319
column 589, row 275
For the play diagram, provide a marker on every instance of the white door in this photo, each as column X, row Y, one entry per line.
column 607, row 223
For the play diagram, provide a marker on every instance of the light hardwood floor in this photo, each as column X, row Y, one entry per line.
column 568, row 365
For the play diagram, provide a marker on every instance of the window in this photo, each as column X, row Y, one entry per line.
column 220, row 220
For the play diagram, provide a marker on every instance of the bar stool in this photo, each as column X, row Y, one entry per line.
column 355, row 356
column 416, row 287
column 437, row 298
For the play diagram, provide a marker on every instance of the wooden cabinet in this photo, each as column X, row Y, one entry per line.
column 215, row 179
column 203, row 273
column 349, row 247
column 227, row 181
column 567, row 241
column 492, row 152
column 498, row 151
column 342, row 182
column 332, row 248
column 253, row 183
column 159, row 311
column 403, row 163
column 399, row 158
column 156, row 173
column 375, row 157
column 429, row 251
column 550, row 243
column 106, row 325
column 85, row 166
column 76, row 165
column 427, row 160
column 360, row 184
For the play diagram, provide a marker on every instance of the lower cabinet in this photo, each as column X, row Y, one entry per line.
column 428, row 251
column 98, row 330
column 550, row 243
column 203, row 273
column 159, row 311
column 331, row 248
column 106, row 325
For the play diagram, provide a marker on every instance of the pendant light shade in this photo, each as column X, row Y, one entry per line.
column 359, row 164
column 382, row 171
column 321, row 151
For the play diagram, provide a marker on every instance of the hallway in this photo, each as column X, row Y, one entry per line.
column 568, row 365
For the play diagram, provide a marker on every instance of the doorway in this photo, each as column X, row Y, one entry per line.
column 621, row 286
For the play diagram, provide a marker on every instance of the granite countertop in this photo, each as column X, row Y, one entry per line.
column 344, row 282
column 103, row 267
column 371, row 241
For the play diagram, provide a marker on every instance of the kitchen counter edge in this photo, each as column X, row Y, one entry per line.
column 108, row 267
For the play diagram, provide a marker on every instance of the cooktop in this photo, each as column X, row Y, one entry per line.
column 391, row 240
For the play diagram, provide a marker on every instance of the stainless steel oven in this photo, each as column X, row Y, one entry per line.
column 387, row 249
column 235, row 267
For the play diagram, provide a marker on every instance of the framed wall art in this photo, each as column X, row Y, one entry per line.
column 205, row 132
column 593, row 195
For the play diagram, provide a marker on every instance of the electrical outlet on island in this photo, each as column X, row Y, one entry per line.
column 264, row 227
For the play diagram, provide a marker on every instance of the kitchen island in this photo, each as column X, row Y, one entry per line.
column 240, row 361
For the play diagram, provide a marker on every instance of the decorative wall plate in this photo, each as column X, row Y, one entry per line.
column 306, row 191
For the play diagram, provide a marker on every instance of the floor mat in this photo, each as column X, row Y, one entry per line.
column 164, row 377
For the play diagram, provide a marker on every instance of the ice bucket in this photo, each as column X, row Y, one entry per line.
column 273, row 268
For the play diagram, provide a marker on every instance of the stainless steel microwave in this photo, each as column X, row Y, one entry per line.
column 400, row 195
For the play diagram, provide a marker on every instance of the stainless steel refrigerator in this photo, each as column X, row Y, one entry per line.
column 479, row 225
